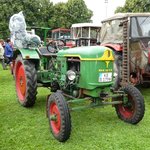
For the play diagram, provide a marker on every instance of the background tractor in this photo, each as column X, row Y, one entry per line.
column 128, row 35
column 62, row 37
column 80, row 34
column 82, row 75
column 60, row 33
column 85, row 34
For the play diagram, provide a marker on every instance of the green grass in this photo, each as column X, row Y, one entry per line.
column 92, row 129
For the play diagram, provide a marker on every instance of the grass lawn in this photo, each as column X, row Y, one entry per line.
column 93, row 129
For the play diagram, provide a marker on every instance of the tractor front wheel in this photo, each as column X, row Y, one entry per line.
column 132, row 110
column 26, row 81
column 59, row 117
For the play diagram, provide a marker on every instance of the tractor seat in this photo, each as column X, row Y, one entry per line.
column 43, row 51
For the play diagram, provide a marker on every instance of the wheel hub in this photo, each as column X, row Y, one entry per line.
column 21, row 81
column 127, row 110
column 53, row 117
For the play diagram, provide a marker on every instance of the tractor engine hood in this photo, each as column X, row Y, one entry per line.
column 88, row 53
column 96, row 66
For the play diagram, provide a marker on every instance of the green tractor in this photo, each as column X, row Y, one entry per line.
column 74, row 75
column 80, row 75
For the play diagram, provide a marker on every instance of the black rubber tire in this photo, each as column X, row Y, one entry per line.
column 134, row 110
column 65, row 118
column 31, row 81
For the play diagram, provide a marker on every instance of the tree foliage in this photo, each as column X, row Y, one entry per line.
column 43, row 13
column 59, row 18
column 74, row 11
column 135, row 6
column 78, row 12
column 36, row 12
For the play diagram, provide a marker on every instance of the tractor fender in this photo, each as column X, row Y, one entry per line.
column 116, row 47
column 27, row 53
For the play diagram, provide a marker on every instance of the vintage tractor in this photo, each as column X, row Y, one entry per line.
column 61, row 37
column 82, row 75
column 86, row 34
column 60, row 33
column 82, row 34
column 74, row 75
column 128, row 35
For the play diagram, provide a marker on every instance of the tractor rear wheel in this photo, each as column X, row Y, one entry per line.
column 131, row 111
column 59, row 117
column 26, row 81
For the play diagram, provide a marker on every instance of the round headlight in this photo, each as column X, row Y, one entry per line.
column 71, row 75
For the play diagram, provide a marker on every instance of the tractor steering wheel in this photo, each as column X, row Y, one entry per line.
column 59, row 44
column 55, row 45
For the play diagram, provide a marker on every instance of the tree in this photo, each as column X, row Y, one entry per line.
column 74, row 11
column 36, row 12
column 77, row 12
column 135, row 6
column 59, row 18
column 42, row 13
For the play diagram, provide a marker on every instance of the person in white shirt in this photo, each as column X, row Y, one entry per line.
column 1, row 49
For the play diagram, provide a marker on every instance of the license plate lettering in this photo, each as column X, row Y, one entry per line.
column 105, row 77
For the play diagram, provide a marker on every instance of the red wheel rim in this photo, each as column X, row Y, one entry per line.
column 55, row 124
column 20, row 81
column 127, row 111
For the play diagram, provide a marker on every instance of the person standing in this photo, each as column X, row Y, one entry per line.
column 2, row 60
column 8, row 54
column 1, row 49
